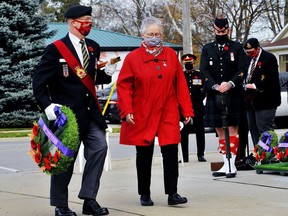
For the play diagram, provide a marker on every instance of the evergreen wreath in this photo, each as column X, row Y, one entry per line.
column 264, row 151
column 281, row 151
column 54, row 143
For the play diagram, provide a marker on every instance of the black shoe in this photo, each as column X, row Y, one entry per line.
column 176, row 199
column 185, row 161
column 201, row 159
column 218, row 174
column 64, row 211
column 145, row 200
column 91, row 207
column 230, row 175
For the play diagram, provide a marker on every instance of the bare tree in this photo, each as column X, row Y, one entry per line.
column 286, row 12
column 274, row 9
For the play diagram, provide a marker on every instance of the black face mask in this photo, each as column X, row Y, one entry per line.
column 188, row 66
column 222, row 39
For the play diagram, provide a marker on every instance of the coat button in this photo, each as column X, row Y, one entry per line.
column 160, row 76
column 87, row 95
column 156, row 60
column 158, row 68
column 88, row 108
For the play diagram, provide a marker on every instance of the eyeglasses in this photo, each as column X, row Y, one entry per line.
column 150, row 35
column 85, row 20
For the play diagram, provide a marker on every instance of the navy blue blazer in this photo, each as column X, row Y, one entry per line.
column 266, row 78
column 55, row 82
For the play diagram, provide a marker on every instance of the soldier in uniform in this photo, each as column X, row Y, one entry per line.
column 223, row 65
column 56, row 82
column 195, row 84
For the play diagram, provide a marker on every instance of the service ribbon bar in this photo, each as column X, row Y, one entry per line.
column 64, row 150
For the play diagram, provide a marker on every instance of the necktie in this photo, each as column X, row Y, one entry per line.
column 252, row 70
column 221, row 48
column 85, row 54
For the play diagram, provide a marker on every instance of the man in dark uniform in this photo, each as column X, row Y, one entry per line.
column 223, row 65
column 262, row 89
column 56, row 83
column 195, row 84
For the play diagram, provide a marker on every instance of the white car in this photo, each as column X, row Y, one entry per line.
column 281, row 118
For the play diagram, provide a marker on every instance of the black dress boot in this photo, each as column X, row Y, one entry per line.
column 145, row 200
column 91, row 207
column 175, row 199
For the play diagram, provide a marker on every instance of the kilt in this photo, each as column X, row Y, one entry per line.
column 213, row 115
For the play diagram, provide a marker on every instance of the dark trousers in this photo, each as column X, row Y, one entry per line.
column 144, row 155
column 243, row 132
column 198, row 127
column 260, row 121
column 95, row 149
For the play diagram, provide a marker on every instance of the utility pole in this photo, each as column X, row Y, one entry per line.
column 187, row 36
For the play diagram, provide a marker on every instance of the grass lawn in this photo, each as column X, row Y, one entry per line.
column 25, row 132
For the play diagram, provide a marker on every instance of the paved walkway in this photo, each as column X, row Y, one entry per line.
column 27, row 193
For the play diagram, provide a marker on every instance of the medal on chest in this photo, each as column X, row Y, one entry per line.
column 197, row 82
column 210, row 62
column 232, row 58
column 65, row 70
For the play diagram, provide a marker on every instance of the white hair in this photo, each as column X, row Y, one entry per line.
column 150, row 21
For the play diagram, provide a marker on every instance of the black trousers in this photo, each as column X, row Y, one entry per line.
column 260, row 121
column 243, row 132
column 198, row 127
column 95, row 150
column 144, row 156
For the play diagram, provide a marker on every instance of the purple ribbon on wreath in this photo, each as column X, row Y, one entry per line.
column 265, row 141
column 61, row 120
column 60, row 117
column 284, row 144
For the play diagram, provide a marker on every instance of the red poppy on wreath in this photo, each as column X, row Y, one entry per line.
column 225, row 48
column 49, row 157
column 259, row 64
column 57, row 156
column 90, row 49
column 37, row 157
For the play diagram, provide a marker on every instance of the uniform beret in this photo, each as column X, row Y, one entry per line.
column 188, row 58
column 251, row 43
column 76, row 11
column 221, row 23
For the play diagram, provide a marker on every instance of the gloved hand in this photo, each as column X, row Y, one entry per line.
column 49, row 111
column 110, row 69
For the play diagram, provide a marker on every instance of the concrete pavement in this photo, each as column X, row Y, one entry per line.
column 27, row 193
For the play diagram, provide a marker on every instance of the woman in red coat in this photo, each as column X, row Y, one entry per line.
column 151, row 89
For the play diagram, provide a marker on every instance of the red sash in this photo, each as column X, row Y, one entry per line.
column 77, row 68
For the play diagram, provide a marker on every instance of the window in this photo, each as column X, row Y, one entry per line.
column 283, row 63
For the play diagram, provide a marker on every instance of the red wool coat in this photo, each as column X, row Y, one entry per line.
column 154, row 89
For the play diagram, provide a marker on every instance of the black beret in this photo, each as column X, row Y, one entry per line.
column 221, row 23
column 251, row 43
column 76, row 11
column 188, row 58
